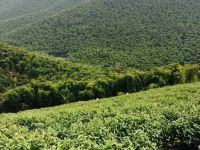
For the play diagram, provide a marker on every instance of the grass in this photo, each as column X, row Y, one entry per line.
column 166, row 117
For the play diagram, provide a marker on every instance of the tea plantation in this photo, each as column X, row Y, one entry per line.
column 165, row 118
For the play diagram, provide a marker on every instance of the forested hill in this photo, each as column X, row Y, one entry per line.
column 15, row 14
column 33, row 80
column 117, row 54
column 19, row 67
column 133, row 33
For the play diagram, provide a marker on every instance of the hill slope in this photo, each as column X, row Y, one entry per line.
column 34, row 80
column 18, row 67
column 16, row 14
column 133, row 33
column 150, row 120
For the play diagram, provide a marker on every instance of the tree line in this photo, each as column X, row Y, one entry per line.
column 19, row 67
column 39, row 93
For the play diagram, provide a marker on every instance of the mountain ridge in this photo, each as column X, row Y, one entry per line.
column 140, row 34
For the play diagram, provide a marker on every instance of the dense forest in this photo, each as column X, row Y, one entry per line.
column 19, row 66
column 131, row 33
column 16, row 14
column 39, row 94
column 37, row 80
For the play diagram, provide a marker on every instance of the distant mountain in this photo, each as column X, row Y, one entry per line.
column 105, row 49
column 16, row 14
column 131, row 33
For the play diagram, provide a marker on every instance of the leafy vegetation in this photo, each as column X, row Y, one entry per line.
column 39, row 94
column 125, row 41
column 131, row 33
column 166, row 118
column 11, row 79
column 20, row 67
column 16, row 14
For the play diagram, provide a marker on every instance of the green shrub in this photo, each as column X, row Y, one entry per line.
column 43, row 93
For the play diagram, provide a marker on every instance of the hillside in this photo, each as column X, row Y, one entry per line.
column 99, row 74
column 33, row 80
column 15, row 14
column 19, row 67
column 131, row 33
column 165, row 118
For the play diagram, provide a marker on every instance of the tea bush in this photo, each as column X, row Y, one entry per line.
column 165, row 118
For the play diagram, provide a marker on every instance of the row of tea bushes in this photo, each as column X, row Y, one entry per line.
column 164, row 118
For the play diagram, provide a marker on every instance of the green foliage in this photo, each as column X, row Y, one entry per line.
column 16, row 14
column 43, row 94
column 9, row 79
column 19, row 67
column 115, row 34
column 131, row 33
column 165, row 118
